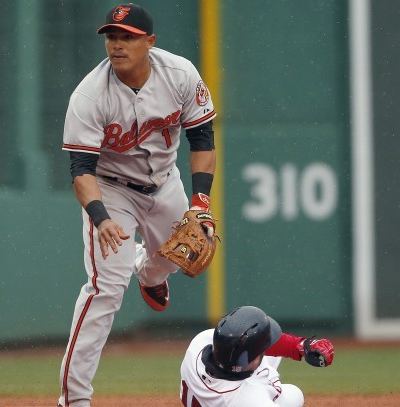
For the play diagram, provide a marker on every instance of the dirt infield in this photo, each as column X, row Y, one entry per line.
column 172, row 401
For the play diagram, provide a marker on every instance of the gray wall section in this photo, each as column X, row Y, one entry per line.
column 285, row 121
column 386, row 102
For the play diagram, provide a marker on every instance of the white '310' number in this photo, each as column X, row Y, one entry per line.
column 314, row 190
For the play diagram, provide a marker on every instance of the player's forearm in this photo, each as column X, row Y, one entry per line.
column 88, row 193
column 203, row 161
column 86, row 189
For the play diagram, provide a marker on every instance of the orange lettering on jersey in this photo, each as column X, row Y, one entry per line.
column 129, row 139
column 112, row 133
column 116, row 140
column 157, row 124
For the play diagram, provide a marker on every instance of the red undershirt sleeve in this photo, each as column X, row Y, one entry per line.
column 286, row 347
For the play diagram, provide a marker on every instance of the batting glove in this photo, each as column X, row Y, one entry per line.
column 316, row 352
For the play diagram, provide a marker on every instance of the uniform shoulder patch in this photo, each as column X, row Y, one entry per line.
column 202, row 94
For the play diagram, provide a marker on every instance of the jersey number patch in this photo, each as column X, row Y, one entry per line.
column 194, row 402
column 167, row 137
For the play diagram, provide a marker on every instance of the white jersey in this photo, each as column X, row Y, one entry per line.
column 199, row 389
column 137, row 135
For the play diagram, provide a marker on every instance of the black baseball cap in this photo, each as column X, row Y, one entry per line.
column 129, row 17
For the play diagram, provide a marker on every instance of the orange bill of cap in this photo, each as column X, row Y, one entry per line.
column 129, row 28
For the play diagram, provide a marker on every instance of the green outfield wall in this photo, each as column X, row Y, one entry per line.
column 287, row 159
column 286, row 140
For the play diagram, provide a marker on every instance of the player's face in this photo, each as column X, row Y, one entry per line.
column 128, row 52
column 253, row 365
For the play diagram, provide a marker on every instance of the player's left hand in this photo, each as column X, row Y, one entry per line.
column 317, row 352
column 201, row 202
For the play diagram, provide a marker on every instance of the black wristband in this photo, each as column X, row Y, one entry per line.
column 202, row 182
column 97, row 211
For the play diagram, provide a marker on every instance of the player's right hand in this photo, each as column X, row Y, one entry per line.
column 110, row 234
column 317, row 352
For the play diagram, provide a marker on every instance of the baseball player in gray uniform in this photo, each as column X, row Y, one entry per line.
column 235, row 364
column 122, row 130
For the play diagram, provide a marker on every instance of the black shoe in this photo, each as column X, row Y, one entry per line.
column 157, row 297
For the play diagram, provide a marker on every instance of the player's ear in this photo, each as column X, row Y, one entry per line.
column 151, row 40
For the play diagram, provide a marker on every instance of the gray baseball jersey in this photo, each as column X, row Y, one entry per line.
column 137, row 135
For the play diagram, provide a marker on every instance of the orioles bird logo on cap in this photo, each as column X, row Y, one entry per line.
column 120, row 13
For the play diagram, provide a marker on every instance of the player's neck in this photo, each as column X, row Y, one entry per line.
column 137, row 78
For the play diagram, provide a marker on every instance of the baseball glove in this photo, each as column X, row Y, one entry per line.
column 189, row 246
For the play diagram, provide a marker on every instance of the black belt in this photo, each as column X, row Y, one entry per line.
column 143, row 189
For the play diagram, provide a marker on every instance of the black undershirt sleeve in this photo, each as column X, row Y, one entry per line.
column 83, row 163
column 201, row 138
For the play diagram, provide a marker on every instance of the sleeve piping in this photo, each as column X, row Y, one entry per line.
column 83, row 149
column 203, row 119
